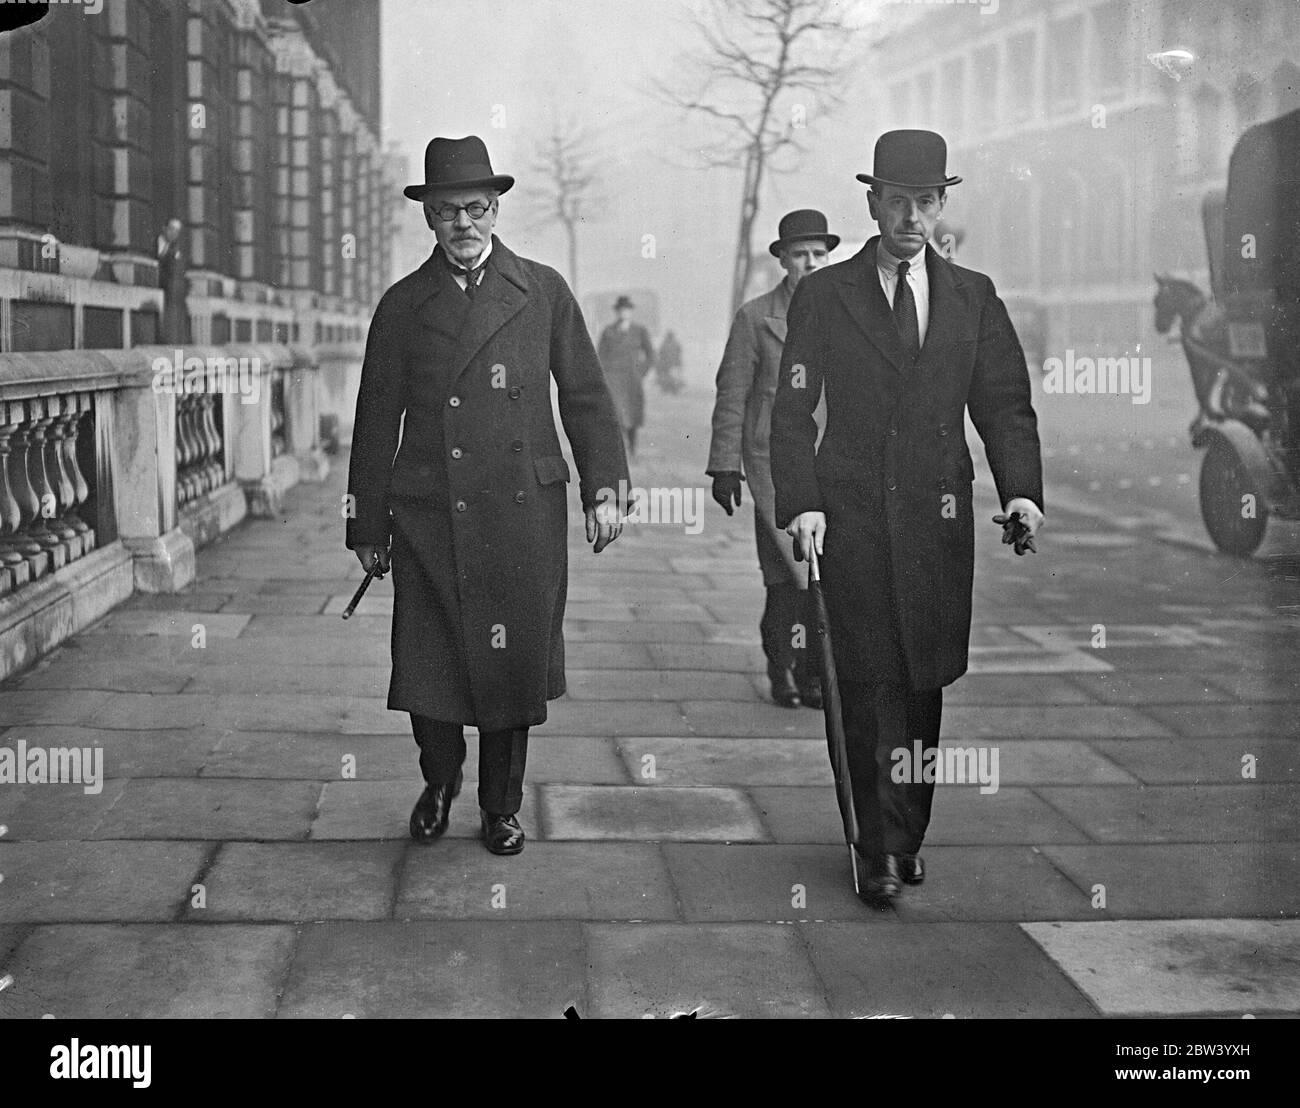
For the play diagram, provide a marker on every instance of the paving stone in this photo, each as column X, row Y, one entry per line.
column 648, row 813
column 170, row 624
column 587, row 630
column 294, row 604
column 737, row 969
column 619, row 685
column 1149, row 688
column 11, row 934
column 1245, row 812
column 991, row 883
column 300, row 881
column 1186, row 880
column 129, row 753
column 359, row 632
column 722, row 720
column 707, row 656
column 148, row 971
column 998, row 689
column 66, row 706
column 258, row 712
column 764, row 882
column 692, row 762
column 1282, row 684
column 604, row 881
column 210, row 600
column 627, row 717
column 44, row 812
column 314, row 757
column 998, row 660
column 1204, row 761
column 382, row 810
column 422, row 969
column 176, row 808
column 251, row 680
column 1226, row 967
column 77, row 881
column 1037, row 762
column 931, row 970
column 1267, row 720
column 1067, row 721
column 607, row 655
column 70, row 672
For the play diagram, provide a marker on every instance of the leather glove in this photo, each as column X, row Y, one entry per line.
column 1020, row 521
column 726, row 488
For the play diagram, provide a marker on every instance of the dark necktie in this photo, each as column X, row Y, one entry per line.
column 905, row 319
column 473, row 277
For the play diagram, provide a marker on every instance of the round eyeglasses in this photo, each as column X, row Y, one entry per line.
column 447, row 212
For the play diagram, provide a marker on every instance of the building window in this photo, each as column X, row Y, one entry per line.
column 985, row 66
column 953, row 96
column 1022, row 52
column 900, row 102
column 925, row 99
column 1064, row 69
column 1111, row 47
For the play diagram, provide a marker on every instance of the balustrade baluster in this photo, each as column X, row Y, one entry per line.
column 46, row 500
column 58, row 474
column 10, row 514
column 80, row 490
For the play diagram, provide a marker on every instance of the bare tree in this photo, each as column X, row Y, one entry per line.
column 758, row 64
column 568, row 179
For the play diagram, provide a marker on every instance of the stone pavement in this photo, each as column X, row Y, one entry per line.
column 247, row 852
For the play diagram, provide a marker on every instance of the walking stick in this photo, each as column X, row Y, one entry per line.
column 371, row 574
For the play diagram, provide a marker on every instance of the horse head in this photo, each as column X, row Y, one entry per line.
column 1176, row 299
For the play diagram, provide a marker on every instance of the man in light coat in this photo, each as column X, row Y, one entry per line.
column 474, row 501
column 742, row 417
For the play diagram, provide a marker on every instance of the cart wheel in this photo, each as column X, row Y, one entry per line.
column 1224, row 482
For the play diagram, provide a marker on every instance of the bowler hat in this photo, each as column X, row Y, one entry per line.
column 806, row 223
column 910, row 159
column 623, row 302
column 457, row 164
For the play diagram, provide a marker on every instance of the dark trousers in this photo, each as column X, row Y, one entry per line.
column 501, row 757
column 787, row 619
column 878, row 720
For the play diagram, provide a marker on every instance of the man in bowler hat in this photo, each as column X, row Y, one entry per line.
column 738, row 452
column 627, row 355
column 903, row 343
column 459, row 360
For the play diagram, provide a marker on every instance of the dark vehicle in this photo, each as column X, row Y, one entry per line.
column 1243, row 341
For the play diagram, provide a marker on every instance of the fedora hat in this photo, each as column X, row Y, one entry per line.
column 910, row 159
column 457, row 164
column 806, row 223
column 623, row 302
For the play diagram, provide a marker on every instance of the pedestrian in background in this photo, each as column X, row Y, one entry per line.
column 742, row 416
column 626, row 355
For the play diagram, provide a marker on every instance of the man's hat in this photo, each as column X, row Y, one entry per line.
column 910, row 159
column 623, row 302
column 806, row 223
column 457, row 164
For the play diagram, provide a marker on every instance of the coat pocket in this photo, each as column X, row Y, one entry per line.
column 551, row 469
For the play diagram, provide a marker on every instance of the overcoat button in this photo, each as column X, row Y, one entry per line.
column 514, row 393
column 517, row 446
column 942, row 429
column 893, row 430
column 454, row 401
column 890, row 485
column 461, row 505
column 519, row 498
column 456, row 452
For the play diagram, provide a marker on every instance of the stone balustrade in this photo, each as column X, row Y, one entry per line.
column 116, row 464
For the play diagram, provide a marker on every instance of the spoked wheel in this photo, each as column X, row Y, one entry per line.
column 1232, row 506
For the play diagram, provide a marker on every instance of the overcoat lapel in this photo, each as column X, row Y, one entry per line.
column 947, row 311
column 499, row 299
column 864, row 300
column 434, row 306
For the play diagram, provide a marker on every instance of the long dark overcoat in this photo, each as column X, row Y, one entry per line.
column 475, row 498
column 893, row 473
column 627, row 356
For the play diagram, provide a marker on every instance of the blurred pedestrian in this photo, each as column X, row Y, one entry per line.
column 172, row 279
column 459, row 363
column 742, row 417
column 626, row 355
column 667, row 362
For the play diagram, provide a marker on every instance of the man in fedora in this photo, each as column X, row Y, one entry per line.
column 902, row 343
column 627, row 355
column 742, row 416
column 460, row 358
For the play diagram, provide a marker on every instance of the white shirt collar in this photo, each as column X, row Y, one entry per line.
column 481, row 258
column 886, row 261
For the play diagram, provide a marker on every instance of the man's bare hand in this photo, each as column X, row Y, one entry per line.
column 809, row 531
column 366, row 554
column 604, row 525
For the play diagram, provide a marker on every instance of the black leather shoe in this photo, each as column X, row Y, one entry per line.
column 502, row 833
column 883, row 882
column 911, row 868
column 810, row 692
column 431, row 811
column 784, row 691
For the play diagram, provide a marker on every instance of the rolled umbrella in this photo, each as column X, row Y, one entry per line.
column 836, row 743
column 371, row 574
